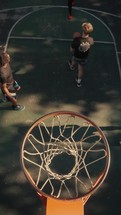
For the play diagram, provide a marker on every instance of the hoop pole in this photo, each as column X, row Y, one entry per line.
column 59, row 207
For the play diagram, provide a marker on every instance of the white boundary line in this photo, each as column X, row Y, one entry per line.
column 8, row 37
column 99, row 11
column 44, row 7
column 49, row 6
column 76, row 8
column 54, row 38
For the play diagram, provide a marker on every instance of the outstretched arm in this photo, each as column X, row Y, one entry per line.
column 71, row 50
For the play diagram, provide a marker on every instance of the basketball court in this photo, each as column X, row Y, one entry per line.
column 38, row 38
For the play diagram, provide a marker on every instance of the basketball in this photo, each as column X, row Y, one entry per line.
column 76, row 34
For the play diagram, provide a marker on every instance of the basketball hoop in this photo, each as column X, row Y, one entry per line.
column 66, row 158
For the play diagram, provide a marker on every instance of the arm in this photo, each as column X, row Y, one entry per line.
column 71, row 50
column 73, row 45
column 6, row 91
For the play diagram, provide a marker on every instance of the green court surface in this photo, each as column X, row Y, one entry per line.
column 39, row 46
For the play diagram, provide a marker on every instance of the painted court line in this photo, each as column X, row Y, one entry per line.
column 53, row 39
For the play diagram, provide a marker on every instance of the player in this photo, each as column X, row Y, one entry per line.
column 70, row 4
column 8, row 85
column 80, row 48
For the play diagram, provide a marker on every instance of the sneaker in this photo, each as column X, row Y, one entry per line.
column 18, row 107
column 78, row 82
column 70, row 64
column 70, row 17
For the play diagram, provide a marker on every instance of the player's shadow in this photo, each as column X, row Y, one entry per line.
column 5, row 107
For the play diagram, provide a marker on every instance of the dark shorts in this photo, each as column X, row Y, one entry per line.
column 13, row 94
column 7, row 99
column 79, row 60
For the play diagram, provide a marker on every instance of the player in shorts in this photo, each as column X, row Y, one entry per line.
column 80, row 48
column 8, row 85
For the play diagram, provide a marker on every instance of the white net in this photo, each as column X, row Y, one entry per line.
column 65, row 156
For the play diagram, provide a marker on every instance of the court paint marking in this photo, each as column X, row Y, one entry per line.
column 8, row 37
column 49, row 6
column 100, row 11
column 75, row 8
column 53, row 39
column 40, row 37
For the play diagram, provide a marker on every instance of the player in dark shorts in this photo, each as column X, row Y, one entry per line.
column 8, row 85
column 80, row 48
column 70, row 4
